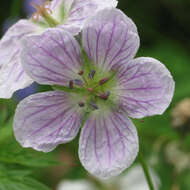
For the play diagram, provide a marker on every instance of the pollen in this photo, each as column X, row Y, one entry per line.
column 41, row 10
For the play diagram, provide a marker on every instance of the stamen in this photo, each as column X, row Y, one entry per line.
column 91, row 74
column 78, row 82
column 105, row 96
column 71, row 84
column 81, row 104
column 41, row 10
column 93, row 105
column 103, row 81
column 81, row 73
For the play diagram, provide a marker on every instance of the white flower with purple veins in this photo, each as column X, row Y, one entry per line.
column 68, row 15
column 96, row 89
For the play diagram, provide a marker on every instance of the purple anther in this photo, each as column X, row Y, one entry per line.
column 91, row 74
column 81, row 104
column 78, row 82
column 93, row 105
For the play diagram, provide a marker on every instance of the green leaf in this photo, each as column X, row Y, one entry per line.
column 18, row 180
column 6, row 131
column 26, row 183
column 12, row 153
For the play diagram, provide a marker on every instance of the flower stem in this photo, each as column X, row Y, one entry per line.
column 146, row 172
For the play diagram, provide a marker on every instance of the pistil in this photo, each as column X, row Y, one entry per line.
column 45, row 12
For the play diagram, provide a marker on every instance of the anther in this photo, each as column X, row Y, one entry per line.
column 81, row 73
column 103, row 81
column 91, row 74
column 93, row 105
column 78, row 82
column 81, row 104
column 105, row 96
column 71, row 84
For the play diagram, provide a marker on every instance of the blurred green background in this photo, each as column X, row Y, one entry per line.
column 164, row 29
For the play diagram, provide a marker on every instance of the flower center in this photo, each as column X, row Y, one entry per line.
column 45, row 12
column 94, row 88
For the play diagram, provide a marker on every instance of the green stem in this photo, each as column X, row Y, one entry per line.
column 146, row 172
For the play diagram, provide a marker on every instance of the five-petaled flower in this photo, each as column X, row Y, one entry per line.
column 68, row 15
column 95, row 91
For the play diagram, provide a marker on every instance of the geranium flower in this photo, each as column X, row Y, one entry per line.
column 68, row 15
column 95, row 91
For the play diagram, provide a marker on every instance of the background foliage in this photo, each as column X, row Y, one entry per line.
column 165, row 34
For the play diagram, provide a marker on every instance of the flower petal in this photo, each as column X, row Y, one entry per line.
column 44, row 120
column 60, row 8
column 51, row 58
column 12, row 76
column 108, row 144
column 146, row 87
column 110, row 38
column 73, row 13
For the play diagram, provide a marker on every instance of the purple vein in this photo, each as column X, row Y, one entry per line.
column 97, row 41
column 95, row 144
column 110, row 41
column 108, row 142
column 47, row 124
column 78, row 8
column 88, row 42
column 90, row 127
column 121, row 48
column 54, row 57
column 62, row 45
column 120, row 136
column 44, row 67
column 119, row 119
